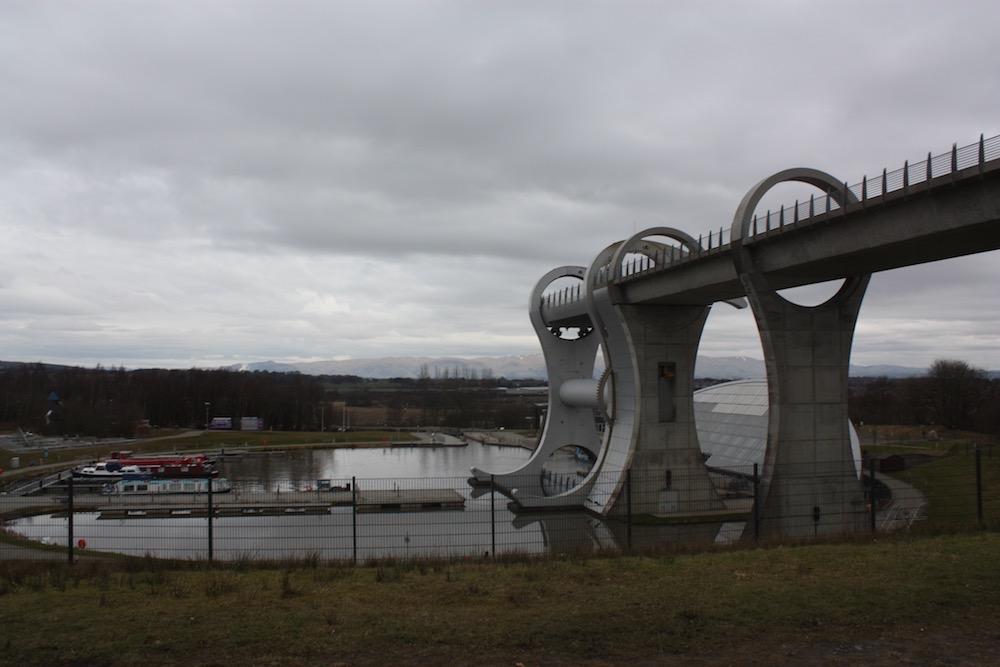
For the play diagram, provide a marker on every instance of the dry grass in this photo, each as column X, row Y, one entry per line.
column 719, row 606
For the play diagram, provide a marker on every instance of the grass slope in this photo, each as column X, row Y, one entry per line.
column 904, row 600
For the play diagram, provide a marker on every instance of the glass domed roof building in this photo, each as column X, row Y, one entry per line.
column 732, row 425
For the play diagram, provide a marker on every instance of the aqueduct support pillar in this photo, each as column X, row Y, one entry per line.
column 810, row 484
column 651, row 353
column 667, row 470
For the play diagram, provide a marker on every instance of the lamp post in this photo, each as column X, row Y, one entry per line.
column 208, row 406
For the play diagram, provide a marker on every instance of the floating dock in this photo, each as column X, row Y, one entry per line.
column 409, row 500
column 274, row 504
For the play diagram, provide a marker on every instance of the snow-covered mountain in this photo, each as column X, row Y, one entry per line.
column 513, row 367
column 525, row 367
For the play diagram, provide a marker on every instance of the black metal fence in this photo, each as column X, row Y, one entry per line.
column 362, row 520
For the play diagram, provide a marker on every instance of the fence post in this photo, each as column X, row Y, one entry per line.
column 493, row 518
column 354, row 519
column 628, row 508
column 756, row 501
column 69, row 519
column 979, row 485
column 210, row 526
column 871, row 492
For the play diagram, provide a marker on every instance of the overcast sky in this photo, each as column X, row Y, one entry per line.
column 204, row 183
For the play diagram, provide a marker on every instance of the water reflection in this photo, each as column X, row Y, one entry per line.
column 569, row 532
column 298, row 469
column 485, row 526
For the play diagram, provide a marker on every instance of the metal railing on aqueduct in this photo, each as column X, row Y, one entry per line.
column 957, row 162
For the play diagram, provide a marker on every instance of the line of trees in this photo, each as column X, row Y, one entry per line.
column 104, row 402
column 111, row 402
column 952, row 395
column 59, row 400
column 455, row 399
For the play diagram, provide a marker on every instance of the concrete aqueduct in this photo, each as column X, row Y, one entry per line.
column 643, row 303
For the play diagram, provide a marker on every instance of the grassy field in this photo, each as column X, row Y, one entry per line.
column 950, row 486
column 949, row 478
column 901, row 601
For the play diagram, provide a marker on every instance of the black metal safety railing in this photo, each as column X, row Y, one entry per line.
column 909, row 176
column 365, row 520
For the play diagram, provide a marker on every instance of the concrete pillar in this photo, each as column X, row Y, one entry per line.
column 668, row 474
column 809, row 485
column 651, row 351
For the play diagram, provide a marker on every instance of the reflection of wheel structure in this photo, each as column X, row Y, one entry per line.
column 566, row 468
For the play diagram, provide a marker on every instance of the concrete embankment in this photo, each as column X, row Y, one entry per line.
column 502, row 439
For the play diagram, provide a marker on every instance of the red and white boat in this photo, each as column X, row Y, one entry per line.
column 159, row 466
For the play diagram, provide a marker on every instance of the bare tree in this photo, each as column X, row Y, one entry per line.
column 956, row 390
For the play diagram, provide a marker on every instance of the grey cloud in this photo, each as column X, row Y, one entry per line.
column 379, row 178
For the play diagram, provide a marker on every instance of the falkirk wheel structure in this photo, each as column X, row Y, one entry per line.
column 648, row 447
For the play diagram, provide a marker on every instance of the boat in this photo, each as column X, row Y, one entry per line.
column 171, row 466
column 144, row 485
column 104, row 471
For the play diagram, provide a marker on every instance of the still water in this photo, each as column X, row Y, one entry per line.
column 297, row 469
column 485, row 526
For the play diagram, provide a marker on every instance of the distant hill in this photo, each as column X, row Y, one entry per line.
column 889, row 371
column 532, row 366
column 513, row 367
column 5, row 365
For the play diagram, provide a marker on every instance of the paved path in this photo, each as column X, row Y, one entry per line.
column 908, row 504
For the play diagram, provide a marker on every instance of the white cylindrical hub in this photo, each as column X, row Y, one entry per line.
column 579, row 393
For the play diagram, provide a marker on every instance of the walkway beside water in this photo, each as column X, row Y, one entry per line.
column 235, row 503
column 503, row 439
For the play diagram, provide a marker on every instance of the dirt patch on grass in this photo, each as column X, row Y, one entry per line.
column 947, row 647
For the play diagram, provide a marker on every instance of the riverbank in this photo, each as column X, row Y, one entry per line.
column 503, row 439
